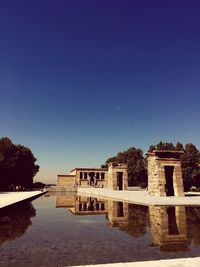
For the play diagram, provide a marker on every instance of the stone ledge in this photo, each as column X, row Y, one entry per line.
column 139, row 197
column 183, row 262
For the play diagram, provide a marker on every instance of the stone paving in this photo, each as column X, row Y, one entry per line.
column 10, row 198
column 140, row 197
column 184, row 262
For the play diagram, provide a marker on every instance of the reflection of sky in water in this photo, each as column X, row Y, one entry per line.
column 58, row 237
column 88, row 221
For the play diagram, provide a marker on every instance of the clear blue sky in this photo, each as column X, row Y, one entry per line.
column 82, row 80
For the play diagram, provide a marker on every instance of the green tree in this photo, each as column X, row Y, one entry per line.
column 38, row 185
column 162, row 146
column 190, row 166
column 17, row 165
column 7, row 162
column 179, row 147
column 134, row 159
column 25, row 167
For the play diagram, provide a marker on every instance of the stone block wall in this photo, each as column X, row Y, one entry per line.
column 66, row 180
column 113, row 170
column 157, row 161
column 85, row 182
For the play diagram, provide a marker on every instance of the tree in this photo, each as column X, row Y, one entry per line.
column 134, row 159
column 38, row 185
column 25, row 167
column 162, row 146
column 190, row 166
column 7, row 162
column 17, row 165
column 179, row 147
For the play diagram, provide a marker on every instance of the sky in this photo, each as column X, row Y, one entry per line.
column 83, row 80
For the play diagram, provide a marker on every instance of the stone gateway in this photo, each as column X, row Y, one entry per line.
column 164, row 173
column 114, row 177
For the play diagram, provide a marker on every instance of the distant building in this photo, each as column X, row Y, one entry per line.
column 115, row 177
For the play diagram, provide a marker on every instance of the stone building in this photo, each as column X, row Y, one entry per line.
column 164, row 173
column 114, row 177
column 117, row 176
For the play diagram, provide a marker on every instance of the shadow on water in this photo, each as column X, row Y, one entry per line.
column 15, row 220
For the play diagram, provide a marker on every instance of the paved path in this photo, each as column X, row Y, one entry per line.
column 185, row 262
column 140, row 197
column 10, row 198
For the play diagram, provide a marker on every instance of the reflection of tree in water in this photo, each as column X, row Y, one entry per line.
column 15, row 220
column 138, row 220
column 193, row 222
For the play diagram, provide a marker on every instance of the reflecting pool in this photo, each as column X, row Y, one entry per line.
column 61, row 230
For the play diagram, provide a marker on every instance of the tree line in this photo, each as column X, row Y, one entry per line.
column 17, row 166
column 137, row 164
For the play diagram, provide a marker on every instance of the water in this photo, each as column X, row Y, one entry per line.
column 70, row 230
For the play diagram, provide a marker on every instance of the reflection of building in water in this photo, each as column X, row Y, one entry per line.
column 168, row 227
column 89, row 206
column 164, row 173
column 117, row 213
column 115, row 177
column 65, row 201
column 82, row 205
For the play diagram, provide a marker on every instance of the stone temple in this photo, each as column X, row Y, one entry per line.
column 114, row 177
column 164, row 173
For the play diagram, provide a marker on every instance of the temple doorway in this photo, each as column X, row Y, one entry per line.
column 169, row 186
column 120, row 180
column 91, row 178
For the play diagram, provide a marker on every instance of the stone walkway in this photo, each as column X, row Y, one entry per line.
column 185, row 262
column 140, row 197
column 10, row 198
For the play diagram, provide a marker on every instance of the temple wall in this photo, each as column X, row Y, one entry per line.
column 157, row 179
column 112, row 176
column 116, row 177
column 153, row 180
column 85, row 180
column 65, row 180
